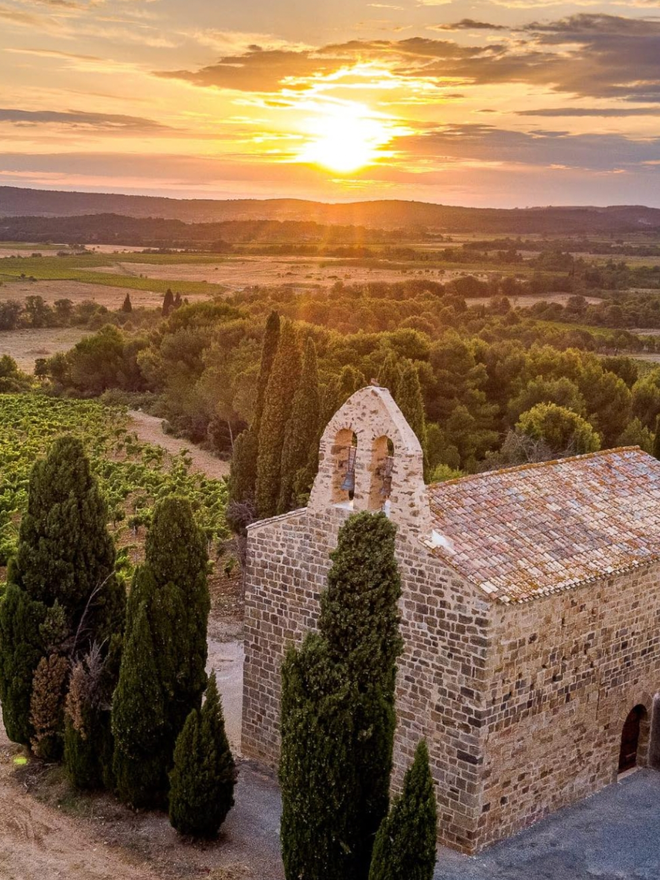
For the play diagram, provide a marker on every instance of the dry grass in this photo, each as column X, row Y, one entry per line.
column 25, row 346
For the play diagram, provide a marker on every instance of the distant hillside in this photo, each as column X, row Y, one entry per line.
column 160, row 232
column 386, row 214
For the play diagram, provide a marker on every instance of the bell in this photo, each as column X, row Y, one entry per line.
column 348, row 484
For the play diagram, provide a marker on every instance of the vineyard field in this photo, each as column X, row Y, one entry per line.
column 133, row 475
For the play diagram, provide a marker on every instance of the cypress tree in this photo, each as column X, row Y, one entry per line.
column 277, row 409
column 243, row 472
column 172, row 587
column 317, row 770
column 338, row 711
column 168, row 303
column 410, row 400
column 360, row 622
column 127, row 305
column 656, row 439
column 268, row 352
column 176, row 559
column 302, row 429
column 405, row 847
column 243, row 477
column 350, row 381
column 390, row 374
column 204, row 774
column 139, row 720
column 64, row 569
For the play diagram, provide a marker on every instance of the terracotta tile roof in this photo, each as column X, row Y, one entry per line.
column 528, row 531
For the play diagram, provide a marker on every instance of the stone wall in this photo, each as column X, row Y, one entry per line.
column 565, row 672
column 441, row 676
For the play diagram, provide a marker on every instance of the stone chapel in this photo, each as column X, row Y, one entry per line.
column 530, row 616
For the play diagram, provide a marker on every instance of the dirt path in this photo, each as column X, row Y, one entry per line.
column 150, row 430
column 46, row 833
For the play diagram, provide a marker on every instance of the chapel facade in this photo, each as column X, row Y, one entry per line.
column 530, row 617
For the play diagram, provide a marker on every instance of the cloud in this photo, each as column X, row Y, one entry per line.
column 591, row 26
column 256, row 70
column 104, row 121
column 602, row 112
column 469, row 24
column 587, row 55
column 485, row 143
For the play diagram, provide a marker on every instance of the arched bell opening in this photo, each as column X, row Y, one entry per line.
column 381, row 472
column 344, row 453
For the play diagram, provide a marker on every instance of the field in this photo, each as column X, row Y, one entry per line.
column 77, row 291
column 25, row 346
column 132, row 474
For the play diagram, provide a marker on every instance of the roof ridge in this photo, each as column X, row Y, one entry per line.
column 530, row 465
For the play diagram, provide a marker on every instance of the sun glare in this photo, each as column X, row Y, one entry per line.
column 344, row 138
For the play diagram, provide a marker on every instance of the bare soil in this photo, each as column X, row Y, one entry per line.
column 150, row 430
column 236, row 273
column 48, row 831
column 25, row 346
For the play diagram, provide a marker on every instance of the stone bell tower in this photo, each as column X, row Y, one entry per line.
column 370, row 459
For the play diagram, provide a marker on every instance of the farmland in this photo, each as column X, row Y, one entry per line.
column 133, row 474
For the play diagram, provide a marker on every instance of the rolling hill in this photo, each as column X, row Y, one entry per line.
column 385, row 214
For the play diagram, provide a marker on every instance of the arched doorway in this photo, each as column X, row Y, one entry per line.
column 634, row 738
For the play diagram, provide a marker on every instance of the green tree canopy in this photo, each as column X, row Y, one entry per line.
column 563, row 431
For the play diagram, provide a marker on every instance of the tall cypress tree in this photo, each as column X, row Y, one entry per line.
column 172, row 586
column 302, row 429
column 405, row 847
column 243, row 468
column 278, row 401
column 127, row 305
column 63, row 568
column 410, row 400
column 338, row 711
column 243, row 477
column 139, row 720
column 202, row 781
column 268, row 352
column 390, row 375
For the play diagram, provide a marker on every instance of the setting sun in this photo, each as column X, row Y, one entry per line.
column 345, row 138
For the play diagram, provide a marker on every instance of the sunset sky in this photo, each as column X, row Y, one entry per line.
column 495, row 102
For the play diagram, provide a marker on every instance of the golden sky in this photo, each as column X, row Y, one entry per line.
column 495, row 102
